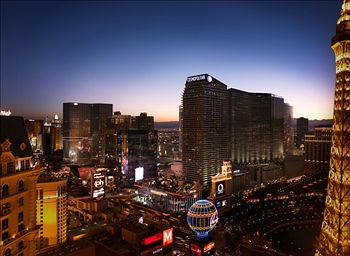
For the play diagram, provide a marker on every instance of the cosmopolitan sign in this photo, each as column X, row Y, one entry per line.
column 199, row 78
column 195, row 78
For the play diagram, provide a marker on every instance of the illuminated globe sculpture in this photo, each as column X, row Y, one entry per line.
column 202, row 217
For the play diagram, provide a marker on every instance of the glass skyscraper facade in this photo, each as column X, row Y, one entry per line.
column 136, row 145
column 256, row 127
column 220, row 123
column 83, row 126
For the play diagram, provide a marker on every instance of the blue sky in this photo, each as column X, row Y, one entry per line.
column 137, row 55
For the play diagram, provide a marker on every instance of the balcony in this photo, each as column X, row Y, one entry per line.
column 17, row 235
column 5, row 212
column 13, row 194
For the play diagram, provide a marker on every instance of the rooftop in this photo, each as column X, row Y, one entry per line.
column 13, row 129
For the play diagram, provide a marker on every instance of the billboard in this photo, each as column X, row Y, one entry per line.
column 97, row 184
column 220, row 188
column 139, row 173
column 155, row 244
column 152, row 239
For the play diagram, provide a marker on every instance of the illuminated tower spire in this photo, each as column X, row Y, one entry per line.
column 335, row 234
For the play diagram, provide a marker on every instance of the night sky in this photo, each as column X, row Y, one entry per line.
column 137, row 55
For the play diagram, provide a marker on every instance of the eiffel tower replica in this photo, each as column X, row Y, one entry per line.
column 334, row 238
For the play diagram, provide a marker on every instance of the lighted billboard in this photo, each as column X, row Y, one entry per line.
column 139, row 173
column 157, row 243
column 97, row 184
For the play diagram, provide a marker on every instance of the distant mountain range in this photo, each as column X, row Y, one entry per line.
column 166, row 125
column 314, row 123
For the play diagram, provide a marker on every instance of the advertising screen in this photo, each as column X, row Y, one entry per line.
column 139, row 173
column 97, row 184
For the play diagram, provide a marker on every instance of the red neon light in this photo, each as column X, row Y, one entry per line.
column 209, row 246
column 196, row 250
column 152, row 239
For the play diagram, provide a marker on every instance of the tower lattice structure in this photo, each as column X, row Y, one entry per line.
column 335, row 233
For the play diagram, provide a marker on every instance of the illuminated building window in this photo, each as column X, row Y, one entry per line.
column 22, row 165
column 5, row 208
column 20, row 216
column 20, row 186
column 41, row 195
column 27, row 164
column 10, row 167
column 5, row 235
column 4, row 224
column 21, row 201
column 20, row 246
column 20, row 227
column 8, row 252
column 5, row 190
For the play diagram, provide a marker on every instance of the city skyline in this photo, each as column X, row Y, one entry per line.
column 137, row 55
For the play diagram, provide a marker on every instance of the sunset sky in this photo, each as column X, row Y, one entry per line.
column 137, row 55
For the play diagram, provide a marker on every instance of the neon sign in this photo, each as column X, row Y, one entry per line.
column 152, row 239
column 195, row 78
column 208, row 247
column 167, row 236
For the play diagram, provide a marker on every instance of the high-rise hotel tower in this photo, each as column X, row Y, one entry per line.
column 335, row 234
column 204, row 128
